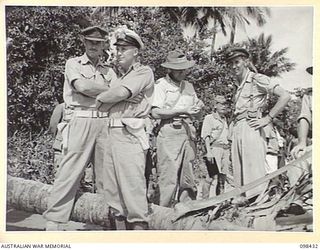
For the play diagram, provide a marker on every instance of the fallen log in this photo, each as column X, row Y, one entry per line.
column 32, row 196
column 213, row 214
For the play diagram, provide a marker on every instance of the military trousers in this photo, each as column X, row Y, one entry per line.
column 81, row 141
column 248, row 152
column 175, row 158
column 122, row 178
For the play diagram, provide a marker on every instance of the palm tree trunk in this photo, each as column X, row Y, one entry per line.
column 214, row 35
column 233, row 31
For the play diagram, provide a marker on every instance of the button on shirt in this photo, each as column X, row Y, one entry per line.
column 216, row 128
column 260, row 88
column 138, row 79
column 82, row 68
column 170, row 96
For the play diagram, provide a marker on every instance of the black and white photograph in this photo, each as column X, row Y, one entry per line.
column 159, row 118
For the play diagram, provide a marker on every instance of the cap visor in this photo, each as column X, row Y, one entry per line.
column 95, row 39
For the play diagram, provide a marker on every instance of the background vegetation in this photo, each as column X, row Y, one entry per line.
column 43, row 38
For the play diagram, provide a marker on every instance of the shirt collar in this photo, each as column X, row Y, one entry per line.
column 84, row 59
column 217, row 116
column 173, row 83
column 134, row 66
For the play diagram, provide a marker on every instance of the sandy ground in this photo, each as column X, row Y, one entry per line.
column 17, row 220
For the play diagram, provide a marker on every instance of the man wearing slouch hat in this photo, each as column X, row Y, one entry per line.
column 177, row 106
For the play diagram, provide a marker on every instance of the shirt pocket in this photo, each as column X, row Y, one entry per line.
column 87, row 73
column 171, row 99
column 216, row 132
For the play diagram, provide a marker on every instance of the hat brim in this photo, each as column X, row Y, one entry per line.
column 124, row 43
column 95, row 39
column 237, row 55
column 179, row 66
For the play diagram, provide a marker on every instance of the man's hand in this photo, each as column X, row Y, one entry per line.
column 259, row 123
column 193, row 110
column 100, row 97
column 299, row 150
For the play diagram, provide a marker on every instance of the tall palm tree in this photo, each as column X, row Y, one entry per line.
column 268, row 63
column 199, row 18
column 240, row 16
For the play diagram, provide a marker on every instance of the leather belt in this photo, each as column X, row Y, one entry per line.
column 90, row 113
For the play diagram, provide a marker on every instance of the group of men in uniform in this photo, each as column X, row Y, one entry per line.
column 104, row 123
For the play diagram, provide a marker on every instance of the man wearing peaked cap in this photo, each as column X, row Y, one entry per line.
column 248, row 147
column 236, row 52
column 177, row 105
column 128, row 102
column 304, row 123
column 85, row 77
column 126, row 37
column 94, row 33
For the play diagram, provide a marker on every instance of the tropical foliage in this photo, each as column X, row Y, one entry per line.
column 43, row 38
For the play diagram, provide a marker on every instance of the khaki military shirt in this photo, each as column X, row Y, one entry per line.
column 170, row 96
column 138, row 79
column 259, row 86
column 82, row 68
column 216, row 128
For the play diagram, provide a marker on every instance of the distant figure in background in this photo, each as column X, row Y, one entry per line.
column 304, row 123
column 215, row 134
column 55, row 119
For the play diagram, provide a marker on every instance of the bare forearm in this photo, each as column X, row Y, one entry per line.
column 114, row 95
column 159, row 113
column 303, row 128
column 280, row 104
column 89, row 87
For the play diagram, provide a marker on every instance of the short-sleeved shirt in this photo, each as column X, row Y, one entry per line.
column 306, row 109
column 82, row 68
column 138, row 79
column 170, row 96
column 216, row 128
column 259, row 86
